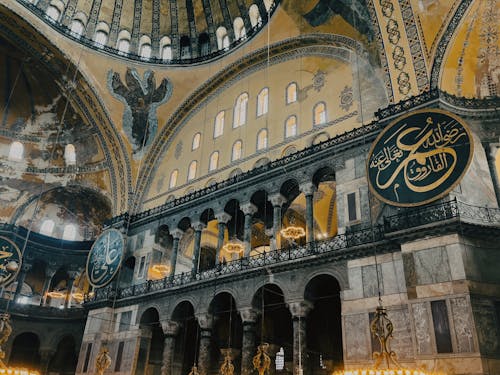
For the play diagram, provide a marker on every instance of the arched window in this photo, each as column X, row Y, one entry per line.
column 263, row 101
column 16, row 151
column 269, row 4
column 203, row 44
column 53, row 13
column 196, row 141
column 240, row 110
column 69, row 233
column 237, row 150
column 222, row 38
column 262, row 140
column 185, row 46
column 173, row 179
column 145, row 51
column 47, row 227
column 77, row 27
column 70, row 154
column 193, row 166
column 123, row 46
column 291, row 126
column 254, row 14
column 280, row 360
column 291, row 93
column 166, row 52
column 219, row 124
column 239, row 28
column 101, row 38
column 214, row 161
column 225, row 42
column 319, row 114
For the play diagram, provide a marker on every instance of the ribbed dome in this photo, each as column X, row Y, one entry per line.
column 159, row 31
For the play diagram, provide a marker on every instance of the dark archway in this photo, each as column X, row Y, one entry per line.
column 324, row 325
column 65, row 359
column 187, row 339
column 25, row 351
column 150, row 355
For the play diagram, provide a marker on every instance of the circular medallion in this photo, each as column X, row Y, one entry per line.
column 419, row 158
column 105, row 258
column 10, row 261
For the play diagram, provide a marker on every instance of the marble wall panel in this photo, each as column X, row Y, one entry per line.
column 486, row 327
column 371, row 281
column 462, row 321
column 422, row 328
column 355, row 284
column 432, row 266
column 357, row 337
column 402, row 341
column 390, row 278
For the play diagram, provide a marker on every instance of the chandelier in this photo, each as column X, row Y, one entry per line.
column 56, row 294
column 162, row 269
column 381, row 328
column 293, row 232
column 235, row 246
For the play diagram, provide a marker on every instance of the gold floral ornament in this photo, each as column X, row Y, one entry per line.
column 194, row 370
column 293, row 232
column 235, row 246
column 103, row 360
column 262, row 361
column 227, row 367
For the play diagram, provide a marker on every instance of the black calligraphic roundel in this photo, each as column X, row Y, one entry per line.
column 105, row 258
column 10, row 261
column 419, row 158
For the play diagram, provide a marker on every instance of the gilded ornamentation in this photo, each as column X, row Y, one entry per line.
column 227, row 367
column 5, row 331
column 262, row 361
column 103, row 360
column 194, row 371
column 346, row 98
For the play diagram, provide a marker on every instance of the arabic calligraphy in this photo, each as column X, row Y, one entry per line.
column 105, row 258
column 10, row 261
column 419, row 158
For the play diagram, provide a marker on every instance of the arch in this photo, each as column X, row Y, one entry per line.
column 213, row 164
column 47, row 227
column 203, row 44
column 240, row 110
column 262, row 139
column 123, row 43
column 25, row 351
column 70, row 232
column 166, row 48
column 237, row 150
column 101, row 34
column 149, row 358
column 222, row 38
column 319, row 113
column 145, row 47
column 16, row 151
column 196, row 141
column 239, row 28
column 53, row 13
column 65, row 358
column 187, row 335
column 193, row 167
column 291, row 93
column 254, row 14
column 289, row 150
column 291, row 126
column 269, row 4
column 77, row 28
column 320, row 137
column 219, row 124
column 235, row 172
column 173, row 179
column 261, row 162
column 185, row 47
column 263, row 101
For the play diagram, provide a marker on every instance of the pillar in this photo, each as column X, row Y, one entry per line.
column 20, row 280
column 222, row 220
column 491, row 153
column 205, row 321
column 277, row 200
column 308, row 189
column 49, row 273
column 299, row 311
column 248, row 209
column 248, row 317
column 198, row 228
column 170, row 331
column 69, row 289
column 176, row 234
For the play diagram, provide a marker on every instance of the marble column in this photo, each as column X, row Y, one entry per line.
column 248, row 317
column 308, row 189
column 222, row 220
column 198, row 227
column 46, row 355
column 206, row 323
column 176, row 234
column 20, row 280
column 277, row 200
column 248, row 209
column 69, row 288
column 170, row 331
column 491, row 153
column 299, row 311
column 49, row 273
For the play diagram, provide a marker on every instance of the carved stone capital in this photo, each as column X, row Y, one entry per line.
column 248, row 315
column 300, row 309
column 277, row 200
column 308, row 188
column 205, row 321
column 198, row 226
column 176, row 233
column 248, row 208
column 170, row 327
column 223, row 217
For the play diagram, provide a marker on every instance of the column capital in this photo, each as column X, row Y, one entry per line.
column 248, row 208
column 198, row 226
column 300, row 309
column 248, row 315
column 223, row 217
column 308, row 188
column 170, row 327
column 277, row 200
column 176, row 233
column 205, row 320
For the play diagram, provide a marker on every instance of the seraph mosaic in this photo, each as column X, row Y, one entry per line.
column 141, row 98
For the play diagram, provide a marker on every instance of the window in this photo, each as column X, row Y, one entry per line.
column 269, row 4
column 291, row 93
column 291, row 126
column 196, row 141
column 142, row 267
column 185, row 45
column 123, row 46
column 69, row 233
column 222, row 38
column 280, row 360
column 77, row 28
column 214, row 161
column 87, row 357
column 239, row 28
column 441, row 326
column 119, row 356
column 240, row 110
column 254, row 14
column 101, row 38
column 262, row 140
column 192, row 170
column 319, row 114
column 236, row 152
column 263, row 102
column 145, row 51
column 125, row 320
column 225, row 43
column 352, row 207
column 70, row 154
column 53, row 13
column 173, row 179
column 219, row 124
column 16, row 151
column 47, row 227
column 166, row 52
